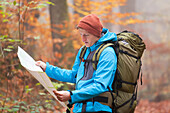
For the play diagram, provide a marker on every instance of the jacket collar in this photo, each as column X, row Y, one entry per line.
column 106, row 36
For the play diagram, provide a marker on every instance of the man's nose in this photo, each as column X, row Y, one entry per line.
column 83, row 38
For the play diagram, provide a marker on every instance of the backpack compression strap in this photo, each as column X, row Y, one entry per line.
column 98, row 52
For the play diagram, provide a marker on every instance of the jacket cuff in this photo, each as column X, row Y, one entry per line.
column 75, row 97
column 70, row 96
column 47, row 68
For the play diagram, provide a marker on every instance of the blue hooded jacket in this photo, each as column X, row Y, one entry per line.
column 102, row 77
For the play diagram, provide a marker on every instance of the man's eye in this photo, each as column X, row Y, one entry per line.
column 86, row 35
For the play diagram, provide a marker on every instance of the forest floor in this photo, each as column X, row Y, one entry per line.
column 145, row 106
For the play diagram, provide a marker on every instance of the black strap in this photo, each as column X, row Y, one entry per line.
column 84, row 107
column 130, row 83
column 141, row 78
column 97, row 98
column 69, row 106
column 134, row 97
column 125, row 52
column 100, row 99
column 113, row 104
column 124, row 103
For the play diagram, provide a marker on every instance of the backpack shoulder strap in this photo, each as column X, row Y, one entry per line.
column 82, row 53
column 98, row 52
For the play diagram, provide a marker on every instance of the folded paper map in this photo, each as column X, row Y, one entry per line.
column 29, row 64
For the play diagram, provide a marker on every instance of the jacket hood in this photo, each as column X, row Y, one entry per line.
column 107, row 36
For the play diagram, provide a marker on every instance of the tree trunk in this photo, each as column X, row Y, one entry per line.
column 81, row 7
column 58, row 14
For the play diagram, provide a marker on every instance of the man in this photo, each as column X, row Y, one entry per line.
column 89, row 82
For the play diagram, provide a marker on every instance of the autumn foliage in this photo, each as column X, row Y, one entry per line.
column 25, row 23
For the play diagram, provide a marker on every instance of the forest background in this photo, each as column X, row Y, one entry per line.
column 46, row 30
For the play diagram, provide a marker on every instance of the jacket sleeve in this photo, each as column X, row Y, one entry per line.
column 103, row 77
column 63, row 74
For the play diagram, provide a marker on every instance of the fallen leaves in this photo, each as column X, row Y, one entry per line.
column 145, row 106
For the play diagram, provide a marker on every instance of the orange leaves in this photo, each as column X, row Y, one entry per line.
column 59, row 26
column 123, row 18
column 79, row 10
column 123, row 15
column 63, row 31
column 69, row 54
column 58, row 55
column 131, row 21
column 105, row 10
column 77, row 44
column 57, row 40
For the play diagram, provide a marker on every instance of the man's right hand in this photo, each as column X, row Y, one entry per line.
column 41, row 64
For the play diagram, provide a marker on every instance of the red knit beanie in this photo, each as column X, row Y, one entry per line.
column 91, row 24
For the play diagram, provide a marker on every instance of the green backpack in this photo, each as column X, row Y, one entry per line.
column 129, row 49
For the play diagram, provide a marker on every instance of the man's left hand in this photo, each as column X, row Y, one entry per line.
column 62, row 95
